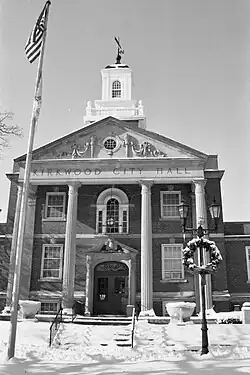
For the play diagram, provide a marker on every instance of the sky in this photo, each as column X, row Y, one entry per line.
column 191, row 66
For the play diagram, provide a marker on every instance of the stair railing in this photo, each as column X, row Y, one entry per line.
column 133, row 327
column 55, row 325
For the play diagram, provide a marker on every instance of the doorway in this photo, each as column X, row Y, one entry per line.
column 110, row 288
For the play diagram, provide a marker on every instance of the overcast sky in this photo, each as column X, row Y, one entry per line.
column 190, row 61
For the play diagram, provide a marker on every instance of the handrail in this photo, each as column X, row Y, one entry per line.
column 55, row 325
column 133, row 327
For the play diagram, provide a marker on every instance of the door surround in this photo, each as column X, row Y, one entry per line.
column 127, row 256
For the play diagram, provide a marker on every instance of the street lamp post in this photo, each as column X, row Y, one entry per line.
column 202, row 245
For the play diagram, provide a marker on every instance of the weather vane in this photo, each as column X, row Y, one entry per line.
column 120, row 51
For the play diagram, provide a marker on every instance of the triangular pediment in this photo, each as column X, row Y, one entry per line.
column 116, row 139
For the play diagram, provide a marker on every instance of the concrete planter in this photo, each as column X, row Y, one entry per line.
column 29, row 308
column 180, row 312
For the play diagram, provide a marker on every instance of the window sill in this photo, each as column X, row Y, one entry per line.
column 54, row 219
column 174, row 281
column 50, row 279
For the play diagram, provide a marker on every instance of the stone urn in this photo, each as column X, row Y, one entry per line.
column 29, row 308
column 180, row 312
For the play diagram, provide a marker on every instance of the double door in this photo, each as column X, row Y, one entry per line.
column 110, row 293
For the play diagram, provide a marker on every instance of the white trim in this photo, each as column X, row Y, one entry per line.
column 42, row 278
column 50, row 193
column 248, row 262
column 162, row 193
column 163, row 246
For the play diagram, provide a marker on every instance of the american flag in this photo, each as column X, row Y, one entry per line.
column 35, row 41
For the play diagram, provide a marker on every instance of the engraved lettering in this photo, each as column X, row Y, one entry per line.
column 77, row 172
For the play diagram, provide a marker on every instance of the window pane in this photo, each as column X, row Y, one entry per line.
column 55, row 206
column 52, row 261
column 172, row 262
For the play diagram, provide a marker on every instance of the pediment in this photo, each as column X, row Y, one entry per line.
column 113, row 138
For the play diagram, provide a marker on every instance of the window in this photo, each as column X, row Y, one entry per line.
column 172, row 267
column 110, row 144
column 169, row 204
column 116, row 89
column 112, row 212
column 55, row 206
column 248, row 262
column 49, row 307
column 51, row 267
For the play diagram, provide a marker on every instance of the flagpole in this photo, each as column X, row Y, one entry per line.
column 24, row 203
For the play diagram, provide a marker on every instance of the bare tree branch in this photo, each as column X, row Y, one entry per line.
column 8, row 130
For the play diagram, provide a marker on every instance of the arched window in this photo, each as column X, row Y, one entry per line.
column 116, row 89
column 112, row 212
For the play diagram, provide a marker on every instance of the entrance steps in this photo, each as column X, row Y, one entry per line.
column 114, row 320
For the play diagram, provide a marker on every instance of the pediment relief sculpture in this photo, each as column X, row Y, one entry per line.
column 111, row 246
column 111, row 144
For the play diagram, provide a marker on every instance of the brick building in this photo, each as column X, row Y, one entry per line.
column 103, row 225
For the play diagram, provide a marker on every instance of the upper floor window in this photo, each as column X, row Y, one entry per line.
column 248, row 262
column 51, row 266
column 116, row 89
column 112, row 212
column 169, row 204
column 55, row 205
column 172, row 267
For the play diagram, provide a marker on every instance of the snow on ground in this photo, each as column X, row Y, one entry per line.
column 158, row 349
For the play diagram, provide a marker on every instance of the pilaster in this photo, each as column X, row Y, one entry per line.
column 13, row 248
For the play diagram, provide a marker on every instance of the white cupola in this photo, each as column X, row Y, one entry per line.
column 116, row 96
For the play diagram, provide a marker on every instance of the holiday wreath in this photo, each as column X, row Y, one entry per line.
column 196, row 243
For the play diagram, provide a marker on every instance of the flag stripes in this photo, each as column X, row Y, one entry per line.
column 35, row 41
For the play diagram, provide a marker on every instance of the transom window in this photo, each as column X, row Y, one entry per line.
column 112, row 212
column 55, row 205
column 116, row 89
column 169, row 204
column 248, row 262
column 51, row 266
column 172, row 267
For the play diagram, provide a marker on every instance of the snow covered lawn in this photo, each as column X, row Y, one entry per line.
column 158, row 349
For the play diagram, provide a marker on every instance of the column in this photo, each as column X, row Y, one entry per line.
column 70, row 250
column 201, row 218
column 146, row 249
column 13, row 249
column 196, row 276
column 28, row 240
column 89, row 287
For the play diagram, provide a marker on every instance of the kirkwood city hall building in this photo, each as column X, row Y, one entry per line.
column 103, row 224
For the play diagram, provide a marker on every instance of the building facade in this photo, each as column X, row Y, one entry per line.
column 103, row 225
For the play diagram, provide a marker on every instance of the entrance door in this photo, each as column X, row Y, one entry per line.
column 110, row 289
